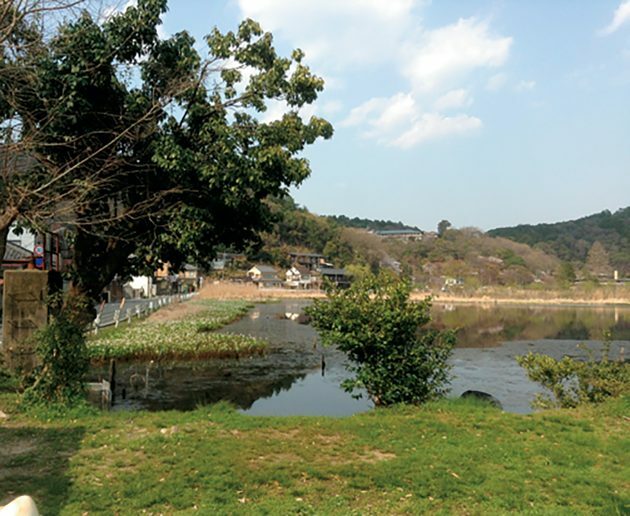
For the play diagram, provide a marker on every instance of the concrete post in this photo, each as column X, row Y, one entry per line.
column 25, row 310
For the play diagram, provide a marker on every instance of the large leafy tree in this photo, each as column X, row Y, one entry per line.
column 153, row 151
column 30, row 187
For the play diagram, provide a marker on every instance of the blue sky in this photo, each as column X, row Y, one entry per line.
column 486, row 113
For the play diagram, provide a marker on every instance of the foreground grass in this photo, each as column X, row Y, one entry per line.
column 187, row 338
column 448, row 457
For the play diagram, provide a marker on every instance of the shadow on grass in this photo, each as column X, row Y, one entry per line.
column 34, row 461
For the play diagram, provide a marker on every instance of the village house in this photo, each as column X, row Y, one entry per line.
column 338, row 277
column 311, row 261
column 299, row 276
column 17, row 257
column 140, row 287
column 225, row 261
column 189, row 279
column 400, row 234
column 46, row 251
column 265, row 276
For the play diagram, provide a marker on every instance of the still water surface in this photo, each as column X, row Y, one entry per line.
column 297, row 376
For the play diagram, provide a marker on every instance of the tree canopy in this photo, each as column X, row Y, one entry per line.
column 154, row 151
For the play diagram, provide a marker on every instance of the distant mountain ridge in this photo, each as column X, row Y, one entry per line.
column 572, row 240
column 369, row 224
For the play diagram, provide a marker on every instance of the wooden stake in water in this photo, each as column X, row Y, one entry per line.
column 112, row 379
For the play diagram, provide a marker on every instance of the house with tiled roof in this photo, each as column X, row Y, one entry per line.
column 264, row 276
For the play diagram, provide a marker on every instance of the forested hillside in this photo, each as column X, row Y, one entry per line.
column 581, row 240
column 465, row 257
column 296, row 229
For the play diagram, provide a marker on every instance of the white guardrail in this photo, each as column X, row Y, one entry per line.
column 113, row 314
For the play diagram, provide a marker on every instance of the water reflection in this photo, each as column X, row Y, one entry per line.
column 186, row 385
column 490, row 325
column 288, row 379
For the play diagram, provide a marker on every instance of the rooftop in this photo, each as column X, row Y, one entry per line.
column 265, row 268
column 15, row 252
column 331, row 271
column 394, row 232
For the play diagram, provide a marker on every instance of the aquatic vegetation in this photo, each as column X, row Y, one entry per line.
column 190, row 337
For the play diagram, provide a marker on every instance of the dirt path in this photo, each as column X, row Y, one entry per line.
column 249, row 292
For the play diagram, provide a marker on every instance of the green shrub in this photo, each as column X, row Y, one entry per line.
column 573, row 382
column 8, row 381
column 64, row 361
column 380, row 329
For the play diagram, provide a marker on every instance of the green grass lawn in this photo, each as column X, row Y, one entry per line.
column 188, row 338
column 450, row 457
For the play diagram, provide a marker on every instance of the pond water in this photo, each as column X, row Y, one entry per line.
column 297, row 376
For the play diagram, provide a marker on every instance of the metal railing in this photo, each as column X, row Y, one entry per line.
column 114, row 314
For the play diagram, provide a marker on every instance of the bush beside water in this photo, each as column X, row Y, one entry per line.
column 573, row 382
column 381, row 330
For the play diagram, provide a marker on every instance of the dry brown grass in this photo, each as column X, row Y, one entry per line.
column 249, row 292
column 576, row 296
column 175, row 312
column 598, row 296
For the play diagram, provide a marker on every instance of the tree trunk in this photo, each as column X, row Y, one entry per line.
column 96, row 262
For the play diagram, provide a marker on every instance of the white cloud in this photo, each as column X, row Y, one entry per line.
column 117, row 7
column 496, row 82
column 525, row 86
column 453, row 99
column 162, row 32
column 276, row 109
column 399, row 108
column 621, row 16
column 450, row 51
column 383, row 114
column 342, row 33
column 356, row 40
column 398, row 121
column 362, row 112
column 434, row 125
column 331, row 107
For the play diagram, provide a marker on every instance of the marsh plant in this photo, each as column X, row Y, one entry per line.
column 192, row 337
column 394, row 357
column 572, row 382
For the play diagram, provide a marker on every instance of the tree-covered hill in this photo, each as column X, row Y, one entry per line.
column 467, row 255
column 574, row 240
column 369, row 224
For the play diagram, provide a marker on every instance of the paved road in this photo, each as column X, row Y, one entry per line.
column 135, row 306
